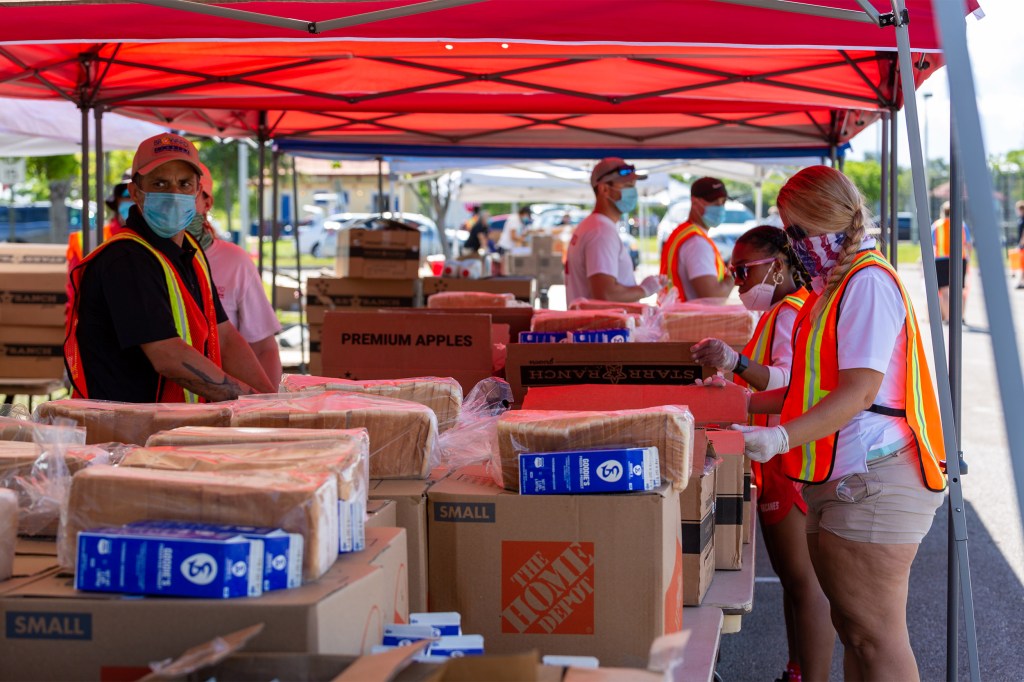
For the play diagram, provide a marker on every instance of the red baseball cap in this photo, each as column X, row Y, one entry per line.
column 205, row 180
column 159, row 149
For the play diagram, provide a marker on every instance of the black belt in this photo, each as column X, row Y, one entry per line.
column 888, row 411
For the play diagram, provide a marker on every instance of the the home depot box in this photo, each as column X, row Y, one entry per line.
column 565, row 574
column 48, row 631
column 523, row 288
column 31, row 352
column 335, row 293
column 378, row 254
column 32, row 295
column 728, row 445
column 381, row 346
column 55, row 255
column 618, row 364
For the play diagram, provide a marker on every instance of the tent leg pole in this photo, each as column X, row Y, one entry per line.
column 955, row 353
column 100, row 174
column 974, row 170
column 298, row 269
column 884, row 203
column 275, row 231
column 243, row 193
column 380, row 185
column 261, row 228
column 86, row 229
column 955, row 26
column 894, row 188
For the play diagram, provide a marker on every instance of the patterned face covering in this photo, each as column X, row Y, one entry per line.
column 818, row 254
column 197, row 228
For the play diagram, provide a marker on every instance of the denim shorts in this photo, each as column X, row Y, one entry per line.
column 887, row 505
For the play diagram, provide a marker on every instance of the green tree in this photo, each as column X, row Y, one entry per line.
column 867, row 176
column 59, row 174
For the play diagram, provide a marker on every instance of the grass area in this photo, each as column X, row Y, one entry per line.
column 286, row 256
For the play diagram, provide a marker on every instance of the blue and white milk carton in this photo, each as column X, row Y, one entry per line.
column 589, row 471
column 351, row 526
column 282, row 551
column 402, row 634
column 457, row 646
column 603, row 336
column 543, row 337
column 444, row 623
column 169, row 562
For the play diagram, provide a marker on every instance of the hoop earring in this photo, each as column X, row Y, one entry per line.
column 777, row 280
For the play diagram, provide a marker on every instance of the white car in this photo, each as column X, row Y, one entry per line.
column 738, row 219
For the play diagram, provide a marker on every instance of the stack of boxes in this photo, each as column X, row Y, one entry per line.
column 32, row 308
column 539, row 260
column 374, row 269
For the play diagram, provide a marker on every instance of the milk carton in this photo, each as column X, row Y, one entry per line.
column 589, row 471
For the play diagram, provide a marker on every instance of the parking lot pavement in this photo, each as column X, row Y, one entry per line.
column 758, row 651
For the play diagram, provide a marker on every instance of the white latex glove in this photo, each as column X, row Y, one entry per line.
column 715, row 353
column 761, row 443
column 716, row 381
column 653, row 284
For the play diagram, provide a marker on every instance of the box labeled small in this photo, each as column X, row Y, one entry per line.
column 169, row 562
column 589, row 471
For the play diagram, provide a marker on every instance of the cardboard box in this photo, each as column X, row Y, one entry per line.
column 523, row 288
column 378, row 254
column 697, row 505
column 748, row 509
column 381, row 514
column 33, row 295
column 52, row 255
column 520, row 263
column 410, row 499
column 31, row 352
column 729, row 533
column 517, row 319
column 380, row 346
column 316, row 363
column 727, row 405
column 332, row 293
column 618, row 365
column 49, row 631
column 565, row 574
column 386, row 548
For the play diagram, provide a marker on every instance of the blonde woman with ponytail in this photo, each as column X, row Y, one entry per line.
column 860, row 424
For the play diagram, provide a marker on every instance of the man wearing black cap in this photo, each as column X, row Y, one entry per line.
column 689, row 258
column 597, row 263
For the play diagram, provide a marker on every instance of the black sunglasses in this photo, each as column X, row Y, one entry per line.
column 621, row 171
column 740, row 271
column 795, row 232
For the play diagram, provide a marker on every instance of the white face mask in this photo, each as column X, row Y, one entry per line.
column 759, row 296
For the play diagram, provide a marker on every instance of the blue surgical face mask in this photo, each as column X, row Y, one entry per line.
column 627, row 201
column 714, row 215
column 168, row 213
column 122, row 210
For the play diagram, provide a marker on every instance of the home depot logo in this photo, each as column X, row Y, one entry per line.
column 547, row 588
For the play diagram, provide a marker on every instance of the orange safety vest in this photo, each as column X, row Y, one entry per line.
column 196, row 326
column 759, row 350
column 673, row 246
column 941, row 240
column 816, row 373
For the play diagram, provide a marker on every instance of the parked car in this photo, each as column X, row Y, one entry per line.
column 552, row 219
column 738, row 219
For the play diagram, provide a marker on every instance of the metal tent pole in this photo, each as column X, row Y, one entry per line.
column 975, row 172
column 894, row 187
column 884, row 218
column 298, row 268
column 261, row 228
column 944, row 386
column 380, row 185
column 243, row 191
column 100, row 173
column 86, row 233
column 275, row 231
column 956, row 384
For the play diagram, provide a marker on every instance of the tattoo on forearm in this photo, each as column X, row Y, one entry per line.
column 225, row 388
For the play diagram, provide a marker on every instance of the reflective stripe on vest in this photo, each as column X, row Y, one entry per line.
column 186, row 322
column 671, row 251
column 816, row 373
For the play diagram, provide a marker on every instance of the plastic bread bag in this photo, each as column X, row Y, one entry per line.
column 702, row 318
column 581, row 320
column 343, row 452
column 668, row 428
column 596, row 304
column 294, row 501
column 17, row 425
column 443, row 395
column 107, row 421
column 470, row 299
column 40, row 474
column 474, row 439
column 403, row 434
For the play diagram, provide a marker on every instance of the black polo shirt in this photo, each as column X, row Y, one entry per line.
column 123, row 303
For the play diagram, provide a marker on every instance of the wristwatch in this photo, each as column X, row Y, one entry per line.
column 741, row 364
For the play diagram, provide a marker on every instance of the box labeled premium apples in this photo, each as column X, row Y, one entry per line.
column 589, row 471
column 169, row 562
column 282, row 551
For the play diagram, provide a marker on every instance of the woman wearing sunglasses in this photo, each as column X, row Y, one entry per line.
column 860, row 424
column 771, row 280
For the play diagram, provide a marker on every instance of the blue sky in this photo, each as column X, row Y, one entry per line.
column 996, row 44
